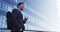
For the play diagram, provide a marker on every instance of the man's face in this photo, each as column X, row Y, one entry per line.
column 21, row 7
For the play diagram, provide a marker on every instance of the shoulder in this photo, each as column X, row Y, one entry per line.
column 15, row 9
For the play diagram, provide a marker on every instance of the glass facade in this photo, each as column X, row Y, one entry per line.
column 42, row 14
column 5, row 6
column 0, row 4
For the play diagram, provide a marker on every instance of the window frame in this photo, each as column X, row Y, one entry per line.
column 0, row 4
column 9, row 8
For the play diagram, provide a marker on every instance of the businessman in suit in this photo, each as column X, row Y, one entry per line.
column 17, row 18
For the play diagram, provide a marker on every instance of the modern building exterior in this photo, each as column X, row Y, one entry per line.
column 42, row 14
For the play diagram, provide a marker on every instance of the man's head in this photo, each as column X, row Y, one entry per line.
column 20, row 5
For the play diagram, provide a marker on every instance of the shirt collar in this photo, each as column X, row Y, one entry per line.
column 19, row 10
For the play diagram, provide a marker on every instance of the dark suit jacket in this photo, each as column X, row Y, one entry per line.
column 17, row 19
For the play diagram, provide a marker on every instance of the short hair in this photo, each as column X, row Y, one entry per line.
column 20, row 4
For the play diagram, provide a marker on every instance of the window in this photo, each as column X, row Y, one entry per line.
column 0, row 4
column 0, row 20
column 15, row 0
column 4, row 25
column 10, row 8
column 3, row 22
column 15, row 6
column 3, row 6
column 6, row 6
column 0, row 0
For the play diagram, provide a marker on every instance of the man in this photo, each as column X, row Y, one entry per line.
column 17, row 18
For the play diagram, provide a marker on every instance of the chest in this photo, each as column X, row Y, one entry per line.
column 20, row 15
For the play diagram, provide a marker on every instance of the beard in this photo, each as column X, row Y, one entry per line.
column 21, row 9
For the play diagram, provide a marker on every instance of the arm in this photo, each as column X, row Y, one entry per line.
column 24, row 21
